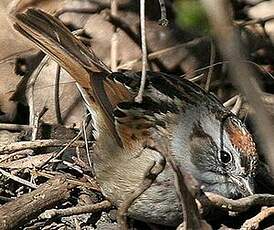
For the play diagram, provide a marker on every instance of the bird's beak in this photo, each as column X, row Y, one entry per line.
column 244, row 184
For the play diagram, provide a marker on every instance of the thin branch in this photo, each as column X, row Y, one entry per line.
column 159, row 53
column 56, row 95
column 231, row 101
column 37, row 117
column 31, row 85
column 92, row 208
column 22, row 145
column 230, row 62
column 211, row 61
column 197, row 78
column 186, row 188
column 185, row 185
column 29, row 162
column 256, row 21
column 133, row 36
column 241, row 205
column 14, row 127
column 139, row 96
column 237, row 106
column 18, row 179
column 91, row 184
column 86, row 141
column 58, row 154
column 114, row 37
column 254, row 222
column 26, row 152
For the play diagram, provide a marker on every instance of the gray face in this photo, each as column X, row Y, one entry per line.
column 215, row 156
column 220, row 166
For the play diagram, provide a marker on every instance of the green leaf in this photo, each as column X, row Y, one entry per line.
column 191, row 16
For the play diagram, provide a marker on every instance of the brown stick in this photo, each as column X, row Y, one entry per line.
column 114, row 38
column 254, row 222
column 14, row 127
column 240, row 205
column 92, row 208
column 17, row 146
column 29, row 206
column 139, row 96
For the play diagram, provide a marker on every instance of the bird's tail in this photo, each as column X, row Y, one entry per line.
column 52, row 37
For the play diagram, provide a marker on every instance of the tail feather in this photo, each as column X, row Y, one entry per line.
column 52, row 37
column 55, row 39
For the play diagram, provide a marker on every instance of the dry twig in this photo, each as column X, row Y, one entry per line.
column 211, row 61
column 254, row 222
column 31, row 85
column 92, row 208
column 240, row 205
column 231, row 101
column 156, row 54
column 18, row 179
column 139, row 96
column 114, row 38
column 56, row 95
column 14, row 127
column 17, row 146
column 37, row 117
column 237, row 106
column 58, row 154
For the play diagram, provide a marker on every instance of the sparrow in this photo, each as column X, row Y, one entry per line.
column 204, row 138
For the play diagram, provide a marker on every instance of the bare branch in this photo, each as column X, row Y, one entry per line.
column 254, row 222
column 114, row 38
column 17, row 146
column 139, row 97
column 241, row 205
column 92, row 208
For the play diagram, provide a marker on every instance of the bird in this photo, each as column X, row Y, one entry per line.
column 204, row 138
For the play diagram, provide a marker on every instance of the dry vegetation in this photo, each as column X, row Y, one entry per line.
column 46, row 180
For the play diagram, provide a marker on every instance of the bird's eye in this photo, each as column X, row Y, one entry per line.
column 225, row 157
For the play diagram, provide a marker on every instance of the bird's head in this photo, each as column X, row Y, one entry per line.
column 220, row 153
